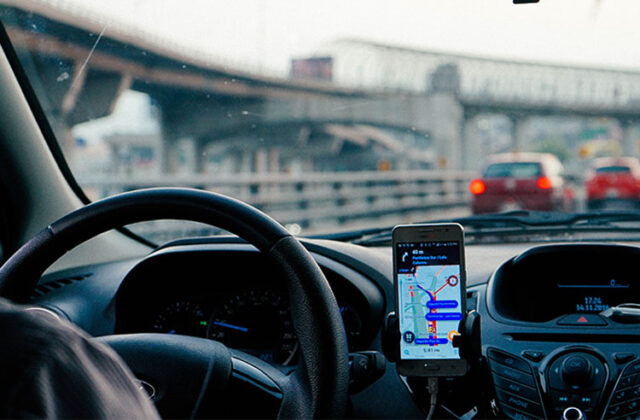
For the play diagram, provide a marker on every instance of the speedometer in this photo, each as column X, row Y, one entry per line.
column 181, row 317
column 257, row 322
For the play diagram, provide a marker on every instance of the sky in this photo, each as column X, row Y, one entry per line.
column 266, row 34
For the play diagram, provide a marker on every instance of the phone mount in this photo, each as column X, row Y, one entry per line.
column 469, row 341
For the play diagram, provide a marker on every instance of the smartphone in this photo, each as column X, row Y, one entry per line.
column 430, row 285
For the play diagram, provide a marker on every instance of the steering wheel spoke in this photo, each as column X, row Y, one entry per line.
column 179, row 369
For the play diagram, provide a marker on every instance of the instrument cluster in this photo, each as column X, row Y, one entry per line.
column 247, row 310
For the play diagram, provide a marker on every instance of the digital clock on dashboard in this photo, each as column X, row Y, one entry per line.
column 548, row 282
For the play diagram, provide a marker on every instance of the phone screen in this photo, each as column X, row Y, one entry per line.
column 429, row 299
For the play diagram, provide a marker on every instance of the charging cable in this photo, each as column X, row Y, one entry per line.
column 432, row 389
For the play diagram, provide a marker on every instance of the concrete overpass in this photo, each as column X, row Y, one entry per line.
column 428, row 94
column 488, row 85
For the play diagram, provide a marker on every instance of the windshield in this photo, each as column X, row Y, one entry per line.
column 513, row 169
column 332, row 116
column 613, row 169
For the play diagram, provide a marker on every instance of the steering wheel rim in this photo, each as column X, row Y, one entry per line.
column 319, row 386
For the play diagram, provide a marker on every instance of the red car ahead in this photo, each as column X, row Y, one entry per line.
column 614, row 183
column 511, row 181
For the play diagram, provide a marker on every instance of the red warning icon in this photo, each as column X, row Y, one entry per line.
column 582, row 320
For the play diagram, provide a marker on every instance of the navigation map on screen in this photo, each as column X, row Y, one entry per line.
column 429, row 298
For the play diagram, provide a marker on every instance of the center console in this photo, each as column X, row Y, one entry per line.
column 550, row 348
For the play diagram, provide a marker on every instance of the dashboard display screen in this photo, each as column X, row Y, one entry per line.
column 592, row 296
column 429, row 299
column 548, row 282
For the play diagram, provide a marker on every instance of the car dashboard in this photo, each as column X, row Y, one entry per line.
column 236, row 297
column 543, row 345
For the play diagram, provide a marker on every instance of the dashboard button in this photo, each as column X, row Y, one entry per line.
column 632, row 406
column 576, row 371
column 516, row 388
column 626, row 381
column 584, row 320
column 579, row 371
column 534, row 356
column 614, row 410
column 512, row 413
column 560, row 399
column 623, row 357
column 513, row 374
column 630, row 416
column 509, row 360
column 555, row 378
column 587, row 402
column 632, row 368
column 621, row 396
column 599, row 375
column 519, row 403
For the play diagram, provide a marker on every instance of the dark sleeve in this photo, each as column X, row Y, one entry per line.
column 50, row 369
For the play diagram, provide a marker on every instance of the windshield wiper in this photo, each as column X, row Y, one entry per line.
column 527, row 218
column 522, row 221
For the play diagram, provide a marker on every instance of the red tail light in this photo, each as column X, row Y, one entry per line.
column 477, row 187
column 544, row 183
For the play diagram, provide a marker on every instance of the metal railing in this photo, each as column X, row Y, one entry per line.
column 316, row 199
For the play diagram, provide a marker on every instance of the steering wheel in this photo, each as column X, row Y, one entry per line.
column 181, row 364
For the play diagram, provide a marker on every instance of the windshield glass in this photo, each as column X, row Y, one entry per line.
column 513, row 169
column 613, row 169
column 332, row 116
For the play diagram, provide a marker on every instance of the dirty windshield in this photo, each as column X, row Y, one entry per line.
column 333, row 116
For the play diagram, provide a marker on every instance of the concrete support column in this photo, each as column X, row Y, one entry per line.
column 630, row 136
column 472, row 154
column 185, row 158
column 199, row 156
column 518, row 139
column 260, row 168
column 167, row 153
column 245, row 162
column 261, row 161
column 274, row 160
column 446, row 117
column 168, row 141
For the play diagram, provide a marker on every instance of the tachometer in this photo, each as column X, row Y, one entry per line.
column 181, row 317
column 257, row 322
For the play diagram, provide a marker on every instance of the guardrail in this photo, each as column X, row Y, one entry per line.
column 317, row 199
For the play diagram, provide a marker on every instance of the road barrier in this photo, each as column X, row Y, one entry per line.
column 317, row 199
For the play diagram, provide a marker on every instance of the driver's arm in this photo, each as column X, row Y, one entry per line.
column 50, row 369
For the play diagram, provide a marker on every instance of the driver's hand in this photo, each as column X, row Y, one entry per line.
column 51, row 369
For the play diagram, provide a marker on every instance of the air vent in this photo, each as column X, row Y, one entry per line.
column 472, row 300
column 50, row 286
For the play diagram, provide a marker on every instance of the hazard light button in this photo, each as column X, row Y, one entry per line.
column 591, row 320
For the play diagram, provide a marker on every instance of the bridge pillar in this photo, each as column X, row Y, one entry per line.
column 274, row 160
column 261, row 160
column 471, row 149
column 630, row 137
column 446, row 115
column 447, row 126
column 199, row 156
column 518, row 138
column 167, row 152
column 184, row 155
